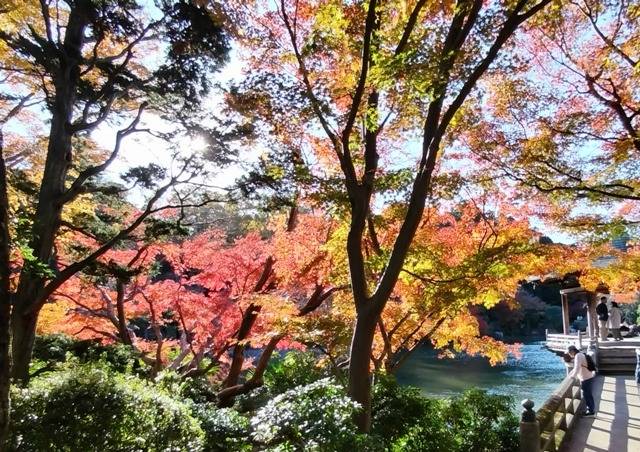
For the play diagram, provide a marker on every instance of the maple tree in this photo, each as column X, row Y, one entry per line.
column 364, row 81
column 565, row 125
column 216, row 297
column 87, row 74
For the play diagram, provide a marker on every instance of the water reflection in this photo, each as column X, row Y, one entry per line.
column 534, row 376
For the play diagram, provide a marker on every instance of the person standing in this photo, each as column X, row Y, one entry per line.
column 615, row 319
column 586, row 376
column 603, row 317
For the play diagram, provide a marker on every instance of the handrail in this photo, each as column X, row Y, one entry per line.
column 558, row 413
column 560, row 342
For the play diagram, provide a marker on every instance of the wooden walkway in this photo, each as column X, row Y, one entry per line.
column 616, row 428
column 612, row 357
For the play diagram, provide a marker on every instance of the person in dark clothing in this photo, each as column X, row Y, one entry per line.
column 603, row 316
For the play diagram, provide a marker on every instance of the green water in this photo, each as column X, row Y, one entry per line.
column 534, row 376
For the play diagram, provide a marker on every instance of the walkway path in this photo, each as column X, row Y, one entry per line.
column 616, row 427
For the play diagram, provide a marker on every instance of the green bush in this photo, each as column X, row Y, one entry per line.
column 395, row 409
column 429, row 434
column 224, row 428
column 483, row 422
column 56, row 348
column 197, row 389
column 475, row 421
column 253, row 400
column 95, row 409
column 318, row 416
column 630, row 312
column 294, row 369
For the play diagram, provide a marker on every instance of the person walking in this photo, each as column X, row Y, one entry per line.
column 615, row 319
column 586, row 376
column 603, row 317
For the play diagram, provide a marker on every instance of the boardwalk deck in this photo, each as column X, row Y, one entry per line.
column 612, row 357
column 616, row 428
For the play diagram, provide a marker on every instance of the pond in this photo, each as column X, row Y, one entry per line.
column 535, row 375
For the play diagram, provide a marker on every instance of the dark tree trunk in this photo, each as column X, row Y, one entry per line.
column 123, row 331
column 5, row 303
column 228, row 394
column 47, row 218
column 359, row 364
column 23, row 334
column 233, row 377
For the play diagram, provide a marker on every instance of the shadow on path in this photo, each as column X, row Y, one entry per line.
column 616, row 427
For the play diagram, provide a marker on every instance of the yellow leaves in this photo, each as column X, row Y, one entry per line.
column 462, row 334
column 53, row 317
column 331, row 22
column 17, row 13
column 490, row 298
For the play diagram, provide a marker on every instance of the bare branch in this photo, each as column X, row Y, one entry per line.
column 78, row 184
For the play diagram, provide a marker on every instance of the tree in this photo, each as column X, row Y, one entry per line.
column 376, row 77
column 566, row 125
column 5, row 282
column 202, row 297
column 91, row 72
column 85, row 60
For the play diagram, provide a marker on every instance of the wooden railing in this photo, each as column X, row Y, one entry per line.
column 547, row 429
column 560, row 342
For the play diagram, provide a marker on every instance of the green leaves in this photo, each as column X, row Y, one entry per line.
column 32, row 264
column 92, row 408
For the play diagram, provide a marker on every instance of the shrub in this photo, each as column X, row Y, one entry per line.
column 253, row 400
column 225, row 429
column 430, row 434
column 294, row 369
column 483, row 422
column 630, row 312
column 197, row 389
column 95, row 409
column 475, row 421
column 56, row 348
column 395, row 408
column 318, row 416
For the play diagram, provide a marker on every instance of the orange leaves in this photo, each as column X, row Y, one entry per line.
column 300, row 255
column 463, row 335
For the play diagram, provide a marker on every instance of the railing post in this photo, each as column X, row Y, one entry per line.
column 529, row 428
column 637, row 365
column 593, row 351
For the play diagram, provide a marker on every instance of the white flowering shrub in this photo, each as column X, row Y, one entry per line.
column 318, row 416
column 225, row 430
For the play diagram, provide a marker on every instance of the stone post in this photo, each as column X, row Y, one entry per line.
column 529, row 428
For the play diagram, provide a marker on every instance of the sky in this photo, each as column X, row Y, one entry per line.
column 142, row 149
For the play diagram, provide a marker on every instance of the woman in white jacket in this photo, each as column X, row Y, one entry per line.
column 615, row 319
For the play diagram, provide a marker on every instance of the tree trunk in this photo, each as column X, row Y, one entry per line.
column 5, row 361
column 47, row 217
column 123, row 330
column 360, row 357
column 227, row 396
column 5, row 303
column 5, row 369
column 23, row 329
column 235, row 369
